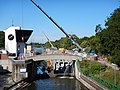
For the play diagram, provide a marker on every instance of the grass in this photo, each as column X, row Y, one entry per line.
column 96, row 69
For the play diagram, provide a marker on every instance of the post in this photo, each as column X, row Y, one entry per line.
column 100, row 72
column 115, row 74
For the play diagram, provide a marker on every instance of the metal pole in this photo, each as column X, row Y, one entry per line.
column 90, row 68
column 115, row 74
column 100, row 72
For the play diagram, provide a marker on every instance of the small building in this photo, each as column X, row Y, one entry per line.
column 29, row 50
column 15, row 40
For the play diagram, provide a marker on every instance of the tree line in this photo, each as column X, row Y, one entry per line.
column 2, row 40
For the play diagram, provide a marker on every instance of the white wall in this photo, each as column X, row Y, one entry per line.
column 11, row 45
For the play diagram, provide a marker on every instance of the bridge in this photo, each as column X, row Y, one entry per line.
column 58, row 62
column 54, row 57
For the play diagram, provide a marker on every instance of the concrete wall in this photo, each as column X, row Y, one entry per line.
column 77, row 73
column 6, row 64
column 17, row 74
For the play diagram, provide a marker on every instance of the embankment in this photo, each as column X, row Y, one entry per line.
column 86, row 81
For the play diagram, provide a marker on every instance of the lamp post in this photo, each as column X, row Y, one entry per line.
column 100, row 72
column 115, row 74
column 114, row 66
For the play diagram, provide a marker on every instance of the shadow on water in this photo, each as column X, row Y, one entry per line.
column 5, row 80
column 3, row 71
column 56, row 84
column 5, row 77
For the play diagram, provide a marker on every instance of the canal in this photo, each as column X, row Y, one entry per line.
column 58, row 83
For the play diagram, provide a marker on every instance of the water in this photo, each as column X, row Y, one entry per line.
column 56, row 84
column 5, row 80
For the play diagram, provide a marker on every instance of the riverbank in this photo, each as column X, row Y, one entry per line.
column 89, row 83
column 101, row 73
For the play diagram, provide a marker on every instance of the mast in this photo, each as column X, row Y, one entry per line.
column 69, row 36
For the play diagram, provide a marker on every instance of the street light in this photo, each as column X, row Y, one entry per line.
column 100, row 72
column 114, row 66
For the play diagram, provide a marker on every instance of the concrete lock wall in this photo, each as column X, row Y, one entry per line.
column 32, row 70
column 77, row 73
column 19, row 72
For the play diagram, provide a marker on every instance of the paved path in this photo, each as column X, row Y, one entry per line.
column 55, row 57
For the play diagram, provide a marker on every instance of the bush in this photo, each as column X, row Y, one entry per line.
column 95, row 69
column 91, row 67
column 115, row 58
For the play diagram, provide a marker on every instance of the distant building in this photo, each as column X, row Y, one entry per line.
column 29, row 50
column 15, row 40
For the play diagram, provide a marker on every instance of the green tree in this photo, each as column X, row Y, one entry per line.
column 94, row 43
column 64, row 42
column 110, row 37
column 98, row 28
column 47, row 45
column 2, row 40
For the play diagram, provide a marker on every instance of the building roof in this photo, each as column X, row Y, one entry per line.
column 23, row 35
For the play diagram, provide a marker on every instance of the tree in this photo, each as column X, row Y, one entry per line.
column 64, row 42
column 110, row 37
column 2, row 40
column 94, row 43
column 47, row 45
column 98, row 28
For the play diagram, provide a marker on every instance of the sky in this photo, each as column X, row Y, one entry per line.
column 78, row 17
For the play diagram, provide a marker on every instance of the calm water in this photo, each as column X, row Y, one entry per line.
column 56, row 84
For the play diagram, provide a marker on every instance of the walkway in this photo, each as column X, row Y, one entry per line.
column 54, row 57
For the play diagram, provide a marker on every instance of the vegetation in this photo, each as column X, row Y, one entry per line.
column 109, row 37
column 2, row 40
column 101, row 73
column 37, row 45
column 92, row 67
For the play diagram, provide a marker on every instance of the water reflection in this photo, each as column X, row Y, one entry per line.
column 56, row 84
